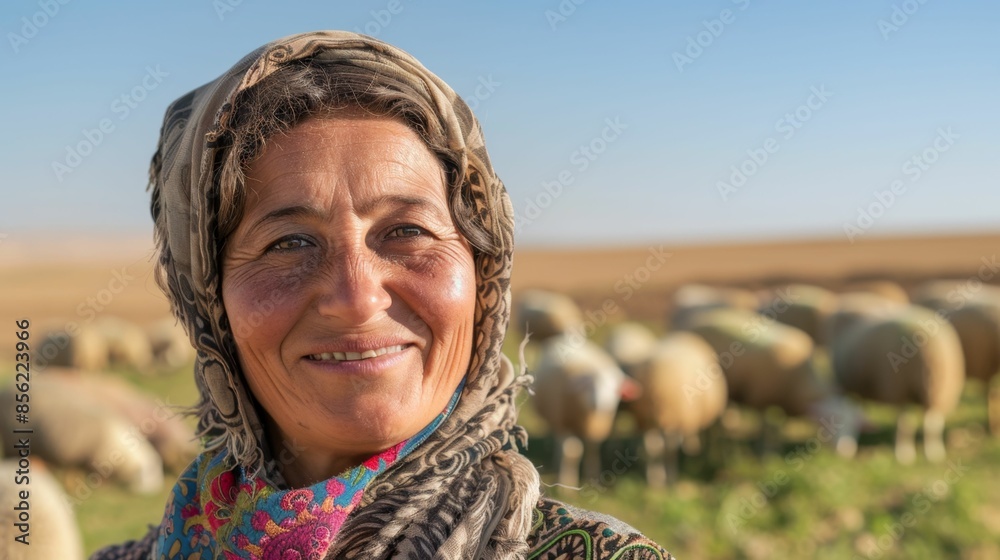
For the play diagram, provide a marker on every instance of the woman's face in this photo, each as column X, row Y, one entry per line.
column 349, row 290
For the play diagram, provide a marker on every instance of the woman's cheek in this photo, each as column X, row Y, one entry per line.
column 258, row 296
column 445, row 276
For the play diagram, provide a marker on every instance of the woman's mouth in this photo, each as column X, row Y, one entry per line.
column 355, row 356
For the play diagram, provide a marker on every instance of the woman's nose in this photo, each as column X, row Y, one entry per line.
column 353, row 288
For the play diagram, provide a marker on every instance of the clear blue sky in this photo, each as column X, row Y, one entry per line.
column 923, row 84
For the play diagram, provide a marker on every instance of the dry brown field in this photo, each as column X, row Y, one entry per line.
column 593, row 276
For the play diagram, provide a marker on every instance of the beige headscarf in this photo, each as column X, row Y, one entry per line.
column 466, row 492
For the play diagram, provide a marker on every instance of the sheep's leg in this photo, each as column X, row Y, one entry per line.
column 770, row 430
column 656, row 474
column 845, row 436
column 591, row 459
column 760, row 444
column 906, row 449
column 673, row 444
column 847, row 445
column 934, row 436
column 716, row 444
column 570, row 450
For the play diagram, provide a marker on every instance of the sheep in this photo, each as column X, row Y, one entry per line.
column 884, row 288
column 910, row 356
column 978, row 328
column 52, row 532
column 683, row 393
column 940, row 295
column 975, row 314
column 83, row 348
column 691, row 300
column 74, row 432
column 547, row 314
column 976, row 318
column 577, row 389
column 855, row 307
column 749, row 346
column 174, row 441
column 801, row 306
column 768, row 364
column 169, row 344
column 128, row 345
column 629, row 344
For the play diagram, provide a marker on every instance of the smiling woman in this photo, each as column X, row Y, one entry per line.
column 372, row 327
column 336, row 242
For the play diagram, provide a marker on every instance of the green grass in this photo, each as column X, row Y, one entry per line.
column 806, row 502
column 801, row 503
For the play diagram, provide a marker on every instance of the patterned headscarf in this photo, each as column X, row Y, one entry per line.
column 465, row 491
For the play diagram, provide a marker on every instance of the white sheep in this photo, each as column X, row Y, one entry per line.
column 974, row 311
column 546, row 314
column 802, row 306
column 886, row 289
column 51, row 528
column 83, row 347
column 577, row 390
column 156, row 421
column 691, row 300
column 70, row 431
column 856, row 307
column 768, row 364
column 169, row 344
column 683, row 393
column 910, row 356
column 128, row 344
column 976, row 318
column 629, row 344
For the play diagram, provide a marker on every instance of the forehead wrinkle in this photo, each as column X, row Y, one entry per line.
column 289, row 162
column 366, row 207
column 380, row 158
column 377, row 180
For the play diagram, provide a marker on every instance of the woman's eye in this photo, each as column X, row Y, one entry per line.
column 289, row 243
column 406, row 231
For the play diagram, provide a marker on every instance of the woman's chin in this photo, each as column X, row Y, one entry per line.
column 368, row 425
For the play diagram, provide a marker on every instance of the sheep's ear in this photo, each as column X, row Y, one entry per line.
column 630, row 389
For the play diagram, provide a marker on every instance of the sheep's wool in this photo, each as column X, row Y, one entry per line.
column 463, row 492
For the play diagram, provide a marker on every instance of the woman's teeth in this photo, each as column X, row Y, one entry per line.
column 350, row 356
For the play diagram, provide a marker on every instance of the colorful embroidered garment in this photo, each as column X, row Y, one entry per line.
column 216, row 508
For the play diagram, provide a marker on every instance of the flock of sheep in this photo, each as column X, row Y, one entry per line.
column 94, row 424
column 111, row 341
column 800, row 349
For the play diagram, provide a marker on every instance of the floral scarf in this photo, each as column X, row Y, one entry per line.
column 215, row 508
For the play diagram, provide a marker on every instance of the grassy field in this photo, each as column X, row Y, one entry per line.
column 804, row 502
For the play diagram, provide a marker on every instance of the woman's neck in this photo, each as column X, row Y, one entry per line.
column 310, row 468
column 303, row 465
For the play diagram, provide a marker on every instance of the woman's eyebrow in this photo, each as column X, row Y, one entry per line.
column 363, row 208
column 367, row 207
column 294, row 211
